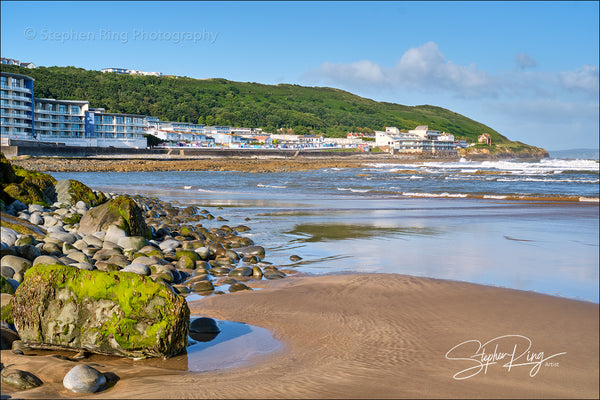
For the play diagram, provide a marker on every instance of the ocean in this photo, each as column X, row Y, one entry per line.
column 524, row 225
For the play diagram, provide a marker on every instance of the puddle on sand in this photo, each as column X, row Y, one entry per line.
column 235, row 345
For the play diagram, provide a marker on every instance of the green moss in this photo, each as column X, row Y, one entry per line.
column 73, row 219
column 5, row 286
column 6, row 313
column 20, row 225
column 132, row 215
column 80, row 192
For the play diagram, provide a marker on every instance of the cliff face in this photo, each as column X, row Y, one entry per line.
column 501, row 153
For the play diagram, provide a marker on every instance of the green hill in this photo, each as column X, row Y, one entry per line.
column 330, row 111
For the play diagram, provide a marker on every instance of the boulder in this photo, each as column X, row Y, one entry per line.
column 121, row 212
column 132, row 242
column 8, row 236
column 115, row 313
column 71, row 192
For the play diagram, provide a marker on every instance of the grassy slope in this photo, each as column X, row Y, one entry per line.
column 218, row 101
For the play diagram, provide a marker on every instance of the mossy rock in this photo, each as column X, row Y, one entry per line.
column 20, row 225
column 6, row 308
column 115, row 313
column 7, row 172
column 71, row 191
column 72, row 219
column 121, row 211
column 44, row 182
column 5, row 286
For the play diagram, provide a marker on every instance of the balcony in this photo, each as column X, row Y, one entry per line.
column 16, row 88
column 16, row 124
column 17, row 107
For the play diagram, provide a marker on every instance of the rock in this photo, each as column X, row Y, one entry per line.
column 132, row 242
column 113, row 235
column 7, row 272
column 63, row 237
column 137, row 268
column 295, row 258
column 220, row 271
column 257, row 273
column 204, row 325
column 241, row 271
column 21, row 379
column 81, row 206
column 71, row 192
column 169, row 244
column 84, row 379
column 18, row 264
column 24, row 240
column 36, row 208
column 93, row 240
column 122, row 212
column 29, row 252
column 202, row 286
column 83, row 265
column 20, row 226
column 102, row 312
column 6, row 307
column 46, row 260
column 236, row 287
column 8, row 236
column 8, row 337
column 273, row 274
column 79, row 257
column 36, row 219
column 7, row 285
column 50, row 221
column 203, row 252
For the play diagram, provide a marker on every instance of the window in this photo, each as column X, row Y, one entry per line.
column 120, row 120
column 97, row 120
column 119, row 128
column 107, row 120
column 74, row 109
column 128, row 120
column 62, row 108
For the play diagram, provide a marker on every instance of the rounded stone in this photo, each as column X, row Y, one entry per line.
column 202, row 286
column 140, row 269
column 29, row 252
column 36, row 219
column 236, row 287
column 84, row 379
column 18, row 264
column 204, row 325
column 22, row 379
column 295, row 258
column 46, row 260
column 241, row 271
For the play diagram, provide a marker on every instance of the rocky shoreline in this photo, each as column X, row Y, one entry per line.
column 142, row 254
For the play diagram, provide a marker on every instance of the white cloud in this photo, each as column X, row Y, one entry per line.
column 425, row 68
column 584, row 78
column 525, row 61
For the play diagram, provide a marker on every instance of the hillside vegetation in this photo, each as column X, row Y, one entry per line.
column 330, row 111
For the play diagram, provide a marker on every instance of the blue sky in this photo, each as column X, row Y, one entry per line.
column 527, row 69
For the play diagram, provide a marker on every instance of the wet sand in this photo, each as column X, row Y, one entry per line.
column 371, row 336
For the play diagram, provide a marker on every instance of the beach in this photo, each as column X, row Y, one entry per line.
column 371, row 336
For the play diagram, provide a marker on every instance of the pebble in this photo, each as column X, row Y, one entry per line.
column 84, row 379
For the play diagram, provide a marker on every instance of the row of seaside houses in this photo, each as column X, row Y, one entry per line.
column 75, row 123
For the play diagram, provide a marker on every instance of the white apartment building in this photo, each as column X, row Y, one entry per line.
column 16, row 101
column 59, row 119
column 418, row 140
